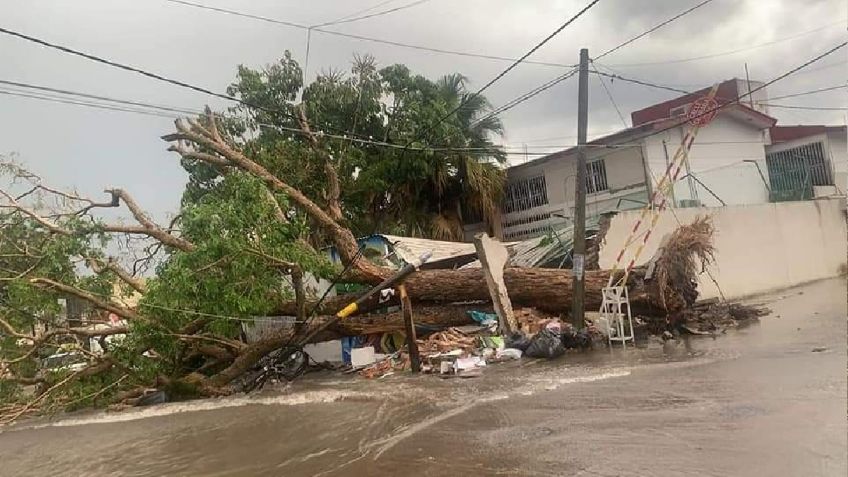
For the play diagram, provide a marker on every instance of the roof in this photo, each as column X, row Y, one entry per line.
column 552, row 250
column 738, row 110
column 410, row 248
column 727, row 92
column 790, row 133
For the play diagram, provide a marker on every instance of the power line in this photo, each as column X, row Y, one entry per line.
column 102, row 98
column 751, row 92
column 85, row 103
column 364, row 10
column 550, row 138
column 364, row 38
column 372, row 15
column 526, row 96
column 510, row 67
column 814, row 91
column 640, row 82
column 609, row 95
column 811, row 108
column 653, row 29
column 729, row 52
column 158, row 77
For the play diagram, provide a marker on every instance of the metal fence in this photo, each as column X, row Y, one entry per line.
column 794, row 172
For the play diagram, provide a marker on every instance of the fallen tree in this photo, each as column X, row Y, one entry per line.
column 221, row 262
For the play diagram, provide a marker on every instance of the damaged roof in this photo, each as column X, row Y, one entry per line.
column 410, row 248
column 552, row 250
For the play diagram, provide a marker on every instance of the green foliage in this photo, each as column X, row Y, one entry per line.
column 413, row 192
column 228, row 274
column 237, row 268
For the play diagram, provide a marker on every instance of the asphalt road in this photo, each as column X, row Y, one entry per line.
column 769, row 399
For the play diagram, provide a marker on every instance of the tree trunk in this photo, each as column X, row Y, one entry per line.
column 542, row 288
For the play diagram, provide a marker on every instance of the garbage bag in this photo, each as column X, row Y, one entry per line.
column 576, row 339
column 517, row 340
column 545, row 344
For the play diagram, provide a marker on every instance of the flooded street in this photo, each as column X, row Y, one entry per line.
column 769, row 399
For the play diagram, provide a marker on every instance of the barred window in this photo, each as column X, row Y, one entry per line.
column 525, row 194
column 809, row 162
column 596, row 177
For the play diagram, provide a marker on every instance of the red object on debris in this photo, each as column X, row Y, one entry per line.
column 702, row 111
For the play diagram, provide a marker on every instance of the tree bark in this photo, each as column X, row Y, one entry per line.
column 542, row 288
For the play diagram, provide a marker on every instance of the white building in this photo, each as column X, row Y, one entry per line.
column 724, row 167
column 807, row 162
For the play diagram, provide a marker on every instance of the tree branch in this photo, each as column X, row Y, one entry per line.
column 100, row 267
column 14, row 204
column 148, row 227
column 125, row 313
column 333, row 191
column 342, row 237
column 200, row 156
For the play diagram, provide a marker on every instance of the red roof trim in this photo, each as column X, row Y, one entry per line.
column 790, row 133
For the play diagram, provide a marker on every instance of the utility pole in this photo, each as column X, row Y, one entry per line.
column 579, row 255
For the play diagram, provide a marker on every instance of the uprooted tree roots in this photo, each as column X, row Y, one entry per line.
column 683, row 256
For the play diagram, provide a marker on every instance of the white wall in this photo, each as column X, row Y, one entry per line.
column 625, row 179
column 758, row 247
column 836, row 148
column 837, row 143
column 716, row 159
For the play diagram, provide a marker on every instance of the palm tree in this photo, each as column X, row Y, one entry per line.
column 473, row 179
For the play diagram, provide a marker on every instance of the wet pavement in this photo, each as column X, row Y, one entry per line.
column 769, row 399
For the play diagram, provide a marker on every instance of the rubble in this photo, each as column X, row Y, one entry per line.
column 459, row 338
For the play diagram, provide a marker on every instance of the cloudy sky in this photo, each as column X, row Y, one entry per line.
column 90, row 149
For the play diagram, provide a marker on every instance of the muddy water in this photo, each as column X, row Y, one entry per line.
column 757, row 401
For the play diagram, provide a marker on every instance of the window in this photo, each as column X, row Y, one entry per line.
column 596, row 177
column 525, row 194
column 808, row 159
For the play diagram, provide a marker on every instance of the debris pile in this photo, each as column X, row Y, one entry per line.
column 445, row 341
column 709, row 317
column 458, row 338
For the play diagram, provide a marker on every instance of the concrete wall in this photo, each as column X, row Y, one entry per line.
column 758, row 247
column 837, row 144
column 717, row 159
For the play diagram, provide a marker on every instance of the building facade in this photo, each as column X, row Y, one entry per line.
column 806, row 162
column 732, row 161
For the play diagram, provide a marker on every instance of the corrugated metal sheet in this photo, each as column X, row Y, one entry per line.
column 552, row 250
column 410, row 248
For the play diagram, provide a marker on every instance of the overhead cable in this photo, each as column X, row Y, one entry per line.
column 158, row 77
column 653, row 29
column 811, row 108
column 526, row 96
column 86, row 103
column 364, row 10
column 752, row 91
column 609, row 96
column 102, row 98
column 728, row 52
column 365, row 38
column 510, row 67
column 814, row 91
column 372, row 15
column 640, row 82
